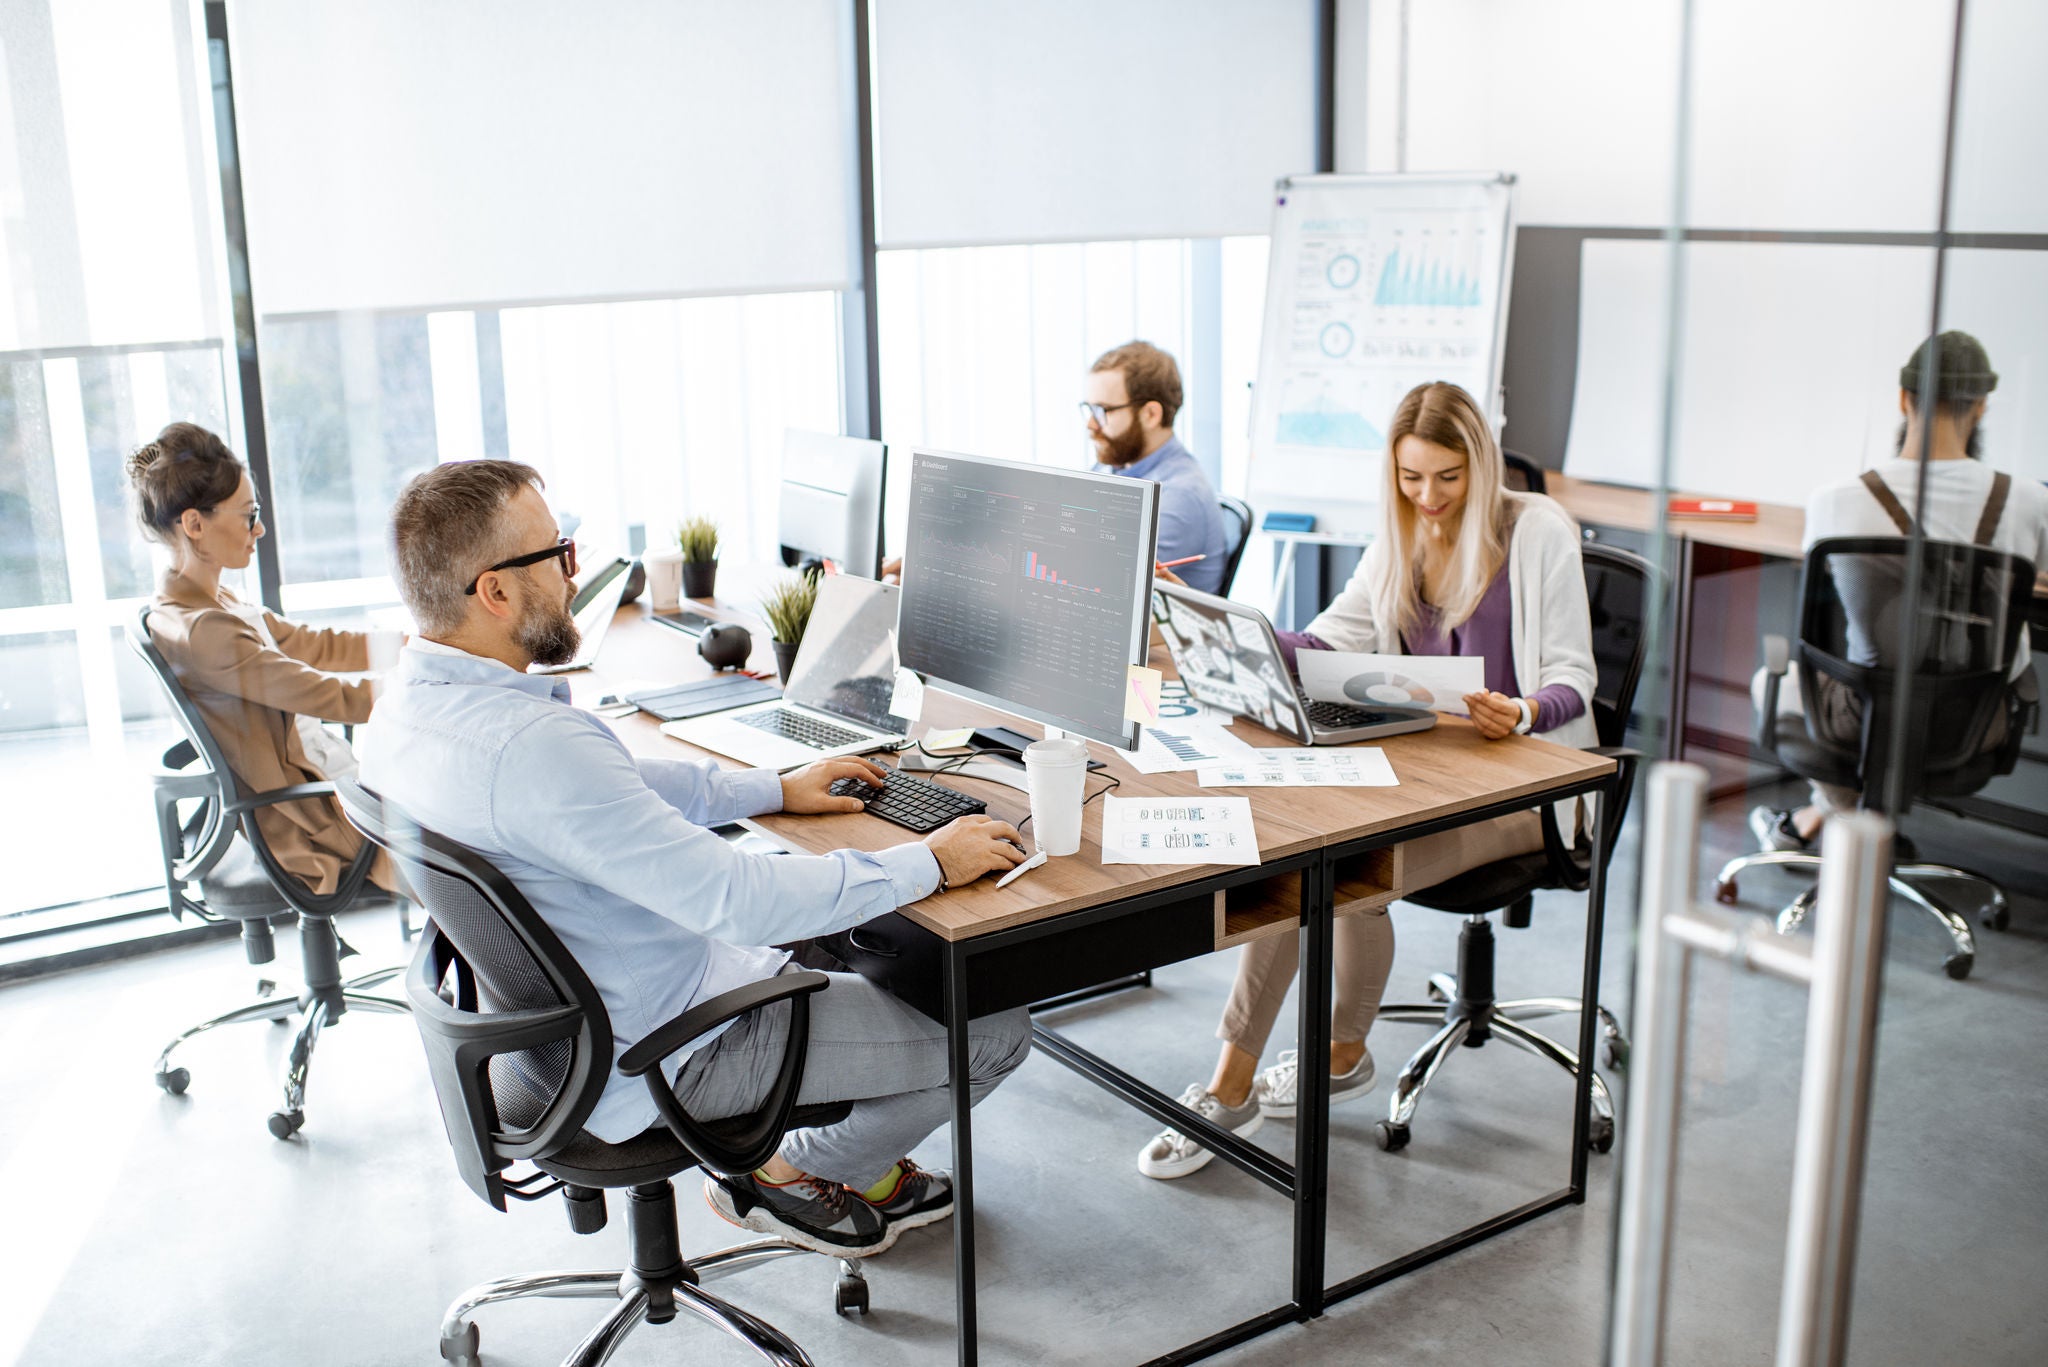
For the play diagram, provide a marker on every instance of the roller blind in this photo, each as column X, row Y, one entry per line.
column 400, row 154
column 1067, row 120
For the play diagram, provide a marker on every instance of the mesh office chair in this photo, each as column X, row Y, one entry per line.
column 1237, row 517
column 217, row 845
column 1522, row 473
column 520, row 1049
column 1964, row 724
column 1463, row 1008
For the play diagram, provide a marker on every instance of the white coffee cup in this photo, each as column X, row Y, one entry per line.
column 1056, row 774
column 664, row 579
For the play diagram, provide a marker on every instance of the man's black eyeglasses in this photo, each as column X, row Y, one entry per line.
column 564, row 548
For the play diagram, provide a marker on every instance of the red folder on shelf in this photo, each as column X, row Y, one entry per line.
column 1717, row 509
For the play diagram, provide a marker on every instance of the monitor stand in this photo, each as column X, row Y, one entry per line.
column 994, row 762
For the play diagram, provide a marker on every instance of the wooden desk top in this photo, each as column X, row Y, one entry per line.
column 1779, row 530
column 1445, row 771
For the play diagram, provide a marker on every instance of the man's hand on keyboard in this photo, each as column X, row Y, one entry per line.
column 971, row 846
column 805, row 790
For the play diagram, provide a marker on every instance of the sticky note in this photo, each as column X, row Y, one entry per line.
column 1141, row 694
column 906, row 700
column 956, row 739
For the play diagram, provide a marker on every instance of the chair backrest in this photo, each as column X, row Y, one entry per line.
column 1618, row 589
column 1970, row 606
column 207, row 838
column 1237, row 517
column 1522, row 473
column 522, row 1052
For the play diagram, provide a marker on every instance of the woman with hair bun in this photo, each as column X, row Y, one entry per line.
column 1462, row 566
column 263, row 684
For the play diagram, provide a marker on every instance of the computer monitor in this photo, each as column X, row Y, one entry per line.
column 830, row 506
column 1028, row 588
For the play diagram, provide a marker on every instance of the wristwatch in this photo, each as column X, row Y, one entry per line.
column 1528, row 721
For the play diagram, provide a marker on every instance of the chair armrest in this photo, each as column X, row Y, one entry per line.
column 297, row 792
column 1572, row 865
column 1777, row 659
column 707, row 1016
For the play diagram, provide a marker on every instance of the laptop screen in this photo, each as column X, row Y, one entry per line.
column 1228, row 659
column 847, row 665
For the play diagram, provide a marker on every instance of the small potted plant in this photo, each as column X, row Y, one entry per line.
column 788, row 610
column 697, row 539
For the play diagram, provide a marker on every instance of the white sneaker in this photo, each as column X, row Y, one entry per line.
column 1275, row 1089
column 1173, row 1154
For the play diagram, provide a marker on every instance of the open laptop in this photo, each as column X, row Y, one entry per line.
column 595, row 604
column 1228, row 658
column 837, row 698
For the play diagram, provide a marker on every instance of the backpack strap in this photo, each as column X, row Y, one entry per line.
column 1894, row 509
column 1994, row 507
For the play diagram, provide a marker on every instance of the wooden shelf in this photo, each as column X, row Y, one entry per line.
column 1255, row 910
column 1367, row 882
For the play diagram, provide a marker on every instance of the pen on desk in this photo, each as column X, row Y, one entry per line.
column 1175, row 564
column 1027, row 866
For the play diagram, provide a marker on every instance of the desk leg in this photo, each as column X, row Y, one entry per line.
column 1312, row 1110
column 963, row 1151
column 1681, row 651
column 1589, row 987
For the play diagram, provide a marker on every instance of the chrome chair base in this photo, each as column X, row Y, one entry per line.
column 1905, row 882
column 1465, row 1013
column 651, row 1299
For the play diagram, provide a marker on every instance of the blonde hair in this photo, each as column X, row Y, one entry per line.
column 1446, row 415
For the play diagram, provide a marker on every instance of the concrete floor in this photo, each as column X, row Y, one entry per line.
column 140, row 1228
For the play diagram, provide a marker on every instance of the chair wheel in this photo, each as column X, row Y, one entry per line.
column 285, row 1124
column 850, row 1294
column 1390, row 1137
column 1724, row 893
column 461, row 1350
column 1600, row 1137
column 1958, row 966
column 175, row 1081
column 1614, row 1053
column 1999, row 919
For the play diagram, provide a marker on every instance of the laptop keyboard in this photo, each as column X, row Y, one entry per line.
column 917, row 804
column 1337, row 716
column 819, row 735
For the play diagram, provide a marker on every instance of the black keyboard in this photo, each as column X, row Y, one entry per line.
column 819, row 735
column 1336, row 716
column 917, row 804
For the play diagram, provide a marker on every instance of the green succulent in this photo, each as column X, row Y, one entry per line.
column 788, row 607
column 697, row 538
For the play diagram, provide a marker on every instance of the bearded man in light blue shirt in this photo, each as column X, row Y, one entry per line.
column 1129, row 399
column 616, row 856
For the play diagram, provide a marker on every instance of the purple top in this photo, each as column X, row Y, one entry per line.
column 1488, row 632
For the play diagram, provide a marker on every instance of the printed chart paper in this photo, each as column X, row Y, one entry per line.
column 1174, row 747
column 1178, row 830
column 1438, row 682
column 1365, row 766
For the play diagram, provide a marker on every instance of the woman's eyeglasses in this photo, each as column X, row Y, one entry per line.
column 564, row 548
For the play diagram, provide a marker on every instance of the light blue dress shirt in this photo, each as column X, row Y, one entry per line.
column 1190, row 522
column 613, row 851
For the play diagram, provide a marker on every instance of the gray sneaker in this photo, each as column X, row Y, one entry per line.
column 1172, row 1154
column 1774, row 831
column 819, row 1215
column 1275, row 1089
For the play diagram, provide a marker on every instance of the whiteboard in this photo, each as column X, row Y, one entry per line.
column 1375, row 284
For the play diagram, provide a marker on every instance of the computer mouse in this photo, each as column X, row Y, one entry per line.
column 725, row 646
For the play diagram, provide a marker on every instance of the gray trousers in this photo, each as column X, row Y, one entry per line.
column 867, row 1048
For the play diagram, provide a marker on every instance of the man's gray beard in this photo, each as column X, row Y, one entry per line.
column 548, row 635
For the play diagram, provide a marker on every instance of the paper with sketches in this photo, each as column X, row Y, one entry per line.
column 1178, row 830
column 1438, row 682
column 1174, row 747
column 1364, row 766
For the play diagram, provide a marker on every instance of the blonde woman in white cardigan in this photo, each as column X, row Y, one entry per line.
column 1462, row 566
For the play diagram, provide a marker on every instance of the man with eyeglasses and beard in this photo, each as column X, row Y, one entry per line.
column 616, row 854
column 1129, row 399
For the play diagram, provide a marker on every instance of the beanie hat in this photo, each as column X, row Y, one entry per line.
column 1962, row 370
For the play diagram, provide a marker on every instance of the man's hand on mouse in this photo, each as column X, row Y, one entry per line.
column 809, row 789
column 971, row 846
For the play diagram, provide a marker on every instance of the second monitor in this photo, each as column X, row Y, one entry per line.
column 1028, row 588
column 830, row 504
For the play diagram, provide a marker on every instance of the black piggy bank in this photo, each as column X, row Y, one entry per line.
column 725, row 646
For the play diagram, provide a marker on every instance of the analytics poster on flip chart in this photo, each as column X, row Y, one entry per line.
column 1375, row 284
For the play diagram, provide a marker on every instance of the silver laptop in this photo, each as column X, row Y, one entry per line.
column 595, row 604
column 837, row 700
column 1228, row 658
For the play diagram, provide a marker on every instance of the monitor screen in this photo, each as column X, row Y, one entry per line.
column 1027, row 588
column 829, row 505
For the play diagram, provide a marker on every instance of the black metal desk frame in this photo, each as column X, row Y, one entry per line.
column 1305, row 1182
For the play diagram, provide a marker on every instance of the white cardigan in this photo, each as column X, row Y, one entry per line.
column 1550, row 624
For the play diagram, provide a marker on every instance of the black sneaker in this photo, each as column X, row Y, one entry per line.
column 1774, row 830
column 920, row 1197
column 822, row 1216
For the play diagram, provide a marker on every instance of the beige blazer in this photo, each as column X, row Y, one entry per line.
column 250, row 694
